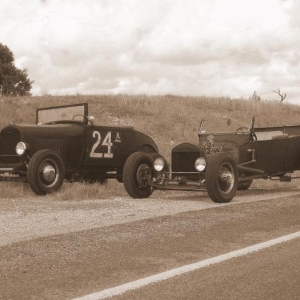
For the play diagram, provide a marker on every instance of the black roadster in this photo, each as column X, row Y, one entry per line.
column 65, row 143
column 221, row 163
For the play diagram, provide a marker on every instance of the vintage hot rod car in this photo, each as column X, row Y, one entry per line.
column 66, row 144
column 221, row 163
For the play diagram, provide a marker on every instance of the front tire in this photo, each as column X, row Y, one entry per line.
column 221, row 178
column 136, row 170
column 45, row 172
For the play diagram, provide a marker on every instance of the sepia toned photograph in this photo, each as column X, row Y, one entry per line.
column 149, row 150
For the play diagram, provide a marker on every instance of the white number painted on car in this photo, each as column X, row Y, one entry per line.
column 106, row 142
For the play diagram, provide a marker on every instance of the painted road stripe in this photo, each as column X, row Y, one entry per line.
column 121, row 289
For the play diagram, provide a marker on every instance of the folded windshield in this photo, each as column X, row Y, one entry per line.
column 63, row 113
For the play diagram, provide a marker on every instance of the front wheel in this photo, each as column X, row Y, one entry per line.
column 137, row 169
column 221, row 178
column 45, row 172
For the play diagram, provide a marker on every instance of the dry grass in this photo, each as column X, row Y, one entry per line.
column 79, row 191
column 168, row 119
column 68, row 191
column 14, row 190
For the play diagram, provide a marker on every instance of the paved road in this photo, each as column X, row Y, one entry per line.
column 68, row 263
column 267, row 274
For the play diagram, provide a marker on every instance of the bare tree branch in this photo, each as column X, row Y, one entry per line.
column 282, row 97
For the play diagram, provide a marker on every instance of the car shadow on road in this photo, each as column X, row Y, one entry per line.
column 182, row 196
column 268, row 190
column 258, row 193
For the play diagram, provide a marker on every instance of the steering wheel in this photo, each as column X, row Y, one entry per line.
column 254, row 136
column 78, row 115
column 245, row 129
column 242, row 129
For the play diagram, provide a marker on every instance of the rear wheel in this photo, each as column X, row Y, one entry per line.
column 45, row 172
column 244, row 185
column 221, row 178
column 136, row 171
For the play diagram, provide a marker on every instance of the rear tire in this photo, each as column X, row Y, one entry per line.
column 137, row 168
column 221, row 178
column 45, row 172
column 244, row 185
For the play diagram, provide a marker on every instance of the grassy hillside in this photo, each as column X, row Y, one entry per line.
column 168, row 119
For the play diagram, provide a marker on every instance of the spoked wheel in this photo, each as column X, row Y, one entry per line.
column 221, row 178
column 136, row 171
column 45, row 172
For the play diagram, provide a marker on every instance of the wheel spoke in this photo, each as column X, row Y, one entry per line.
column 142, row 173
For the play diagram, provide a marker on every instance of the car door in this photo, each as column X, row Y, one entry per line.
column 277, row 155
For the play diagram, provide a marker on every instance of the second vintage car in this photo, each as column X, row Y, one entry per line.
column 222, row 163
column 65, row 143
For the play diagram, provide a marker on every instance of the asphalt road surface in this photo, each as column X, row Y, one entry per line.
column 77, row 249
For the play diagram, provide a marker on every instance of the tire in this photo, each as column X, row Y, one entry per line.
column 120, row 179
column 221, row 178
column 45, row 172
column 136, row 168
column 154, row 155
column 244, row 185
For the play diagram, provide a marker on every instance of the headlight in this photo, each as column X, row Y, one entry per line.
column 200, row 164
column 21, row 148
column 159, row 164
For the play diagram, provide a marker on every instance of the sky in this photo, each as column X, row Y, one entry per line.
column 227, row 48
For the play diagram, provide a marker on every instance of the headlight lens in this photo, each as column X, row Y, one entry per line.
column 159, row 164
column 200, row 164
column 21, row 148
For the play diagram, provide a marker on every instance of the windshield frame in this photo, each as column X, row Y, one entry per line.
column 83, row 105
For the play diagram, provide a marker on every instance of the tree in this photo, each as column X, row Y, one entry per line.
column 13, row 81
column 255, row 97
column 282, row 97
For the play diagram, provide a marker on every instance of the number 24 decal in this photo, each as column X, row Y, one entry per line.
column 106, row 142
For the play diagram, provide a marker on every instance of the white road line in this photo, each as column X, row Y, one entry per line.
column 121, row 289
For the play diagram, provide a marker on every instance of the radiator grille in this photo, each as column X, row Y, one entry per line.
column 8, row 142
column 184, row 161
column 10, row 159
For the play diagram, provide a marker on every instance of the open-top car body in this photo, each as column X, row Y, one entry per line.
column 65, row 143
column 221, row 163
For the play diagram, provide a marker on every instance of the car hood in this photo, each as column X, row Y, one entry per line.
column 45, row 131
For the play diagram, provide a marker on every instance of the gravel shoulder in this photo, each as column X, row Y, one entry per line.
column 26, row 219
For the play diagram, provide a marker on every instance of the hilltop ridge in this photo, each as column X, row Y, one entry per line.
column 168, row 119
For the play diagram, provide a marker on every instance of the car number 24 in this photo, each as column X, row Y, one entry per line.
column 105, row 142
